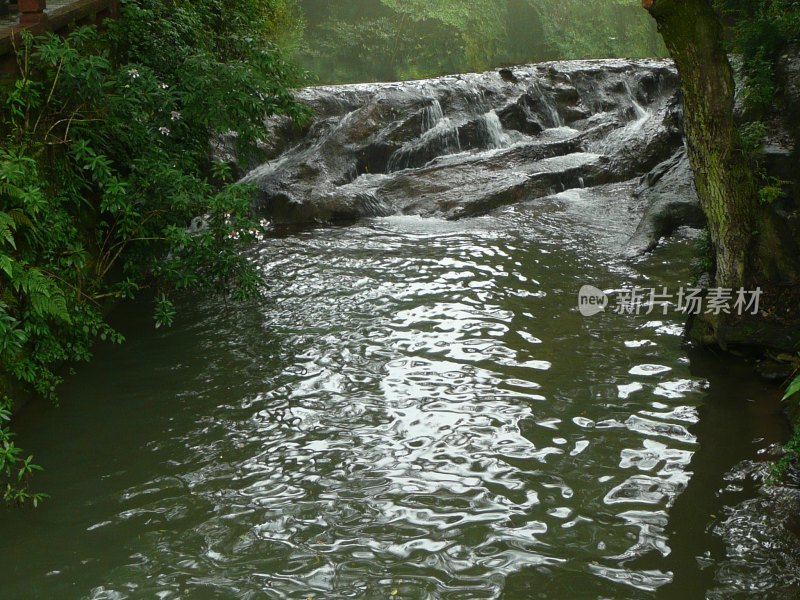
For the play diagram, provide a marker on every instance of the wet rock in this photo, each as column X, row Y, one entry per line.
column 792, row 523
column 522, row 116
column 508, row 75
column 776, row 370
column 670, row 200
column 463, row 145
column 476, row 188
column 779, row 161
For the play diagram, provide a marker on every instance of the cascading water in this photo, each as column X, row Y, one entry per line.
column 495, row 136
column 464, row 144
column 641, row 114
column 442, row 139
column 548, row 104
column 476, row 97
column 432, row 115
column 620, row 140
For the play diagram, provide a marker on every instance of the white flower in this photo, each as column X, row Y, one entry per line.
column 164, row 86
column 176, row 116
column 134, row 73
column 164, row 130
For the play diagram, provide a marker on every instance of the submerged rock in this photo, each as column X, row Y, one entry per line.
column 464, row 145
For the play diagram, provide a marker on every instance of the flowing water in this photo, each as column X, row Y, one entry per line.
column 416, row 410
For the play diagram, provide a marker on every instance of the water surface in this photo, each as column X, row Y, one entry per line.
column 415, row 410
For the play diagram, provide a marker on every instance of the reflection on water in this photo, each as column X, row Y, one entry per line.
column 417, row 410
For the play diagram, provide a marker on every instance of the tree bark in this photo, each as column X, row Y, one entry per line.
column 750, row 247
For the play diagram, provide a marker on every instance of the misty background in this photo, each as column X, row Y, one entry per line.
column 342, row 41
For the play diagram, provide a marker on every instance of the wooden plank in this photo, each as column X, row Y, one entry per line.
column 57, row 19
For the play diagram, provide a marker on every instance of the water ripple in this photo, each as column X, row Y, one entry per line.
column 415, row 410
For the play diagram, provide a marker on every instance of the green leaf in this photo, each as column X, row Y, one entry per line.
column 793, row 388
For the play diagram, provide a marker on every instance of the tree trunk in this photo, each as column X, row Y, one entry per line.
column 750, row 247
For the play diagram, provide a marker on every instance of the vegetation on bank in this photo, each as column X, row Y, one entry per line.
column 760, row 33
column 792, row 449
column 104, row 165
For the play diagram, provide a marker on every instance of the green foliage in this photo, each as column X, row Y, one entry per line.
column 614, row 28
column 794, row 388
column 358, row 40
column 772, row 188
column 792, row 448
column 14, row 469
column 373, row 40
column 105, row 164
column 761, row 31
column 165, row 311
column 477, row 25
column 705, row 261
column 792, row 453
column 752, row 137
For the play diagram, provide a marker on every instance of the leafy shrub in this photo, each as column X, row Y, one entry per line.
column 761, row 31
column 792, row 448
column 104, row 164
column 771, row 188
column 15, row 469
column 752, row 137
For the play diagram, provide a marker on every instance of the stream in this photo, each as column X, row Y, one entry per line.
column 417, row 410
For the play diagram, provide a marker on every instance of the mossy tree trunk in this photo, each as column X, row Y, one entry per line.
column 750, row 247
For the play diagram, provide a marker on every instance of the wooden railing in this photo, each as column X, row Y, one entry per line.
column 36, row 17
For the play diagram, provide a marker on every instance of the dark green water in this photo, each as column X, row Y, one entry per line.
column 416, row 410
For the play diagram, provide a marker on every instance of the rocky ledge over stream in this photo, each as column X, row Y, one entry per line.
column 466, row 145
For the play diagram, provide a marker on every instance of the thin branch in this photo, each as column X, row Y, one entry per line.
column 49, row 96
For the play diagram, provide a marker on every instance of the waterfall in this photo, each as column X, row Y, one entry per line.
column 548, row 104
column 432, row 115
column 476, row 97
column 641, row 114
column 440, row 140
column 464, row 145
column 621, row 139
column 492, row 132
